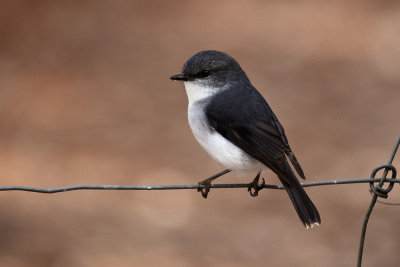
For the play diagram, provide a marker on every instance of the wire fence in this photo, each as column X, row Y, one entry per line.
column 376, row 187
column 186, row 186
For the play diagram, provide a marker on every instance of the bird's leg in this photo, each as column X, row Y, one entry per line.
column 255, row 185
column 207, row 183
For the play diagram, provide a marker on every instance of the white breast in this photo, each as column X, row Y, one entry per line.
column 219, row 148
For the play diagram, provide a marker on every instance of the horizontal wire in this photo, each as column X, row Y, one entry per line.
column 178, row 187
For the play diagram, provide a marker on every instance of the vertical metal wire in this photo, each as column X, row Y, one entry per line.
column 372, row 204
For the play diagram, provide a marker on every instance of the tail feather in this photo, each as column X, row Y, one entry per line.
column 306, row 210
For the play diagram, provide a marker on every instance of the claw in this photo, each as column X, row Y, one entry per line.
column 207, row 183
column 255, row 186
column 206, row 189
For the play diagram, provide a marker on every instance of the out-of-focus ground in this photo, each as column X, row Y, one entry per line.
column 85, row 98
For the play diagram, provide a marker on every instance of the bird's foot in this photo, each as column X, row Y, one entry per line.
column 206, row 189
column 205, row 186
column 256, row 186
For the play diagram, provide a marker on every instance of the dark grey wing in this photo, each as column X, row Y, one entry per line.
column 288, row 150
column 245, row 119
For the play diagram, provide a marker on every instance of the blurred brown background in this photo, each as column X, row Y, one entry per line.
column 85, row 98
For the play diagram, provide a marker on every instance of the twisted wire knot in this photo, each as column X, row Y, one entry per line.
column 378, row 189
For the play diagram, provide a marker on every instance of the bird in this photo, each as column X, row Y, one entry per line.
column 233, row 122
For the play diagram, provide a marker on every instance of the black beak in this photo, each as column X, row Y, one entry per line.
column 179, row 77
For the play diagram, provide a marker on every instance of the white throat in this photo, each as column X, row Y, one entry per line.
column 196, row 91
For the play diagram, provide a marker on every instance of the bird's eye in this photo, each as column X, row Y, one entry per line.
column 205, row 73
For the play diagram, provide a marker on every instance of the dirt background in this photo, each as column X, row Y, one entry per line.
column 85, row 98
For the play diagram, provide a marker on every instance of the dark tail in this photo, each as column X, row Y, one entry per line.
column 306, row 210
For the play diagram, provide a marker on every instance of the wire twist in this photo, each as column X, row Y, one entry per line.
column 378, row 191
